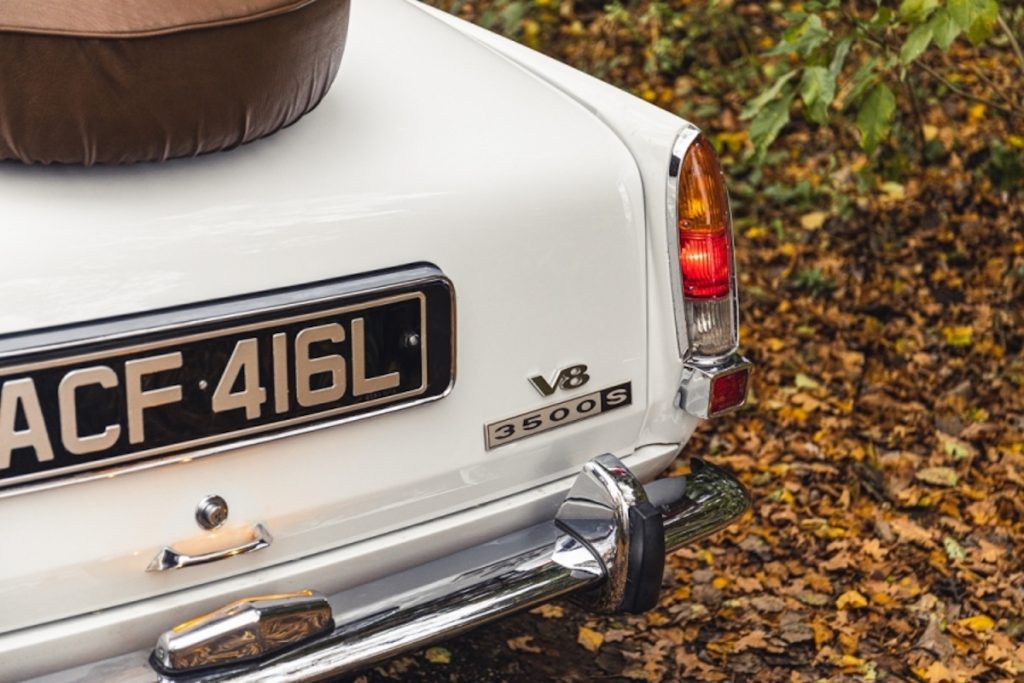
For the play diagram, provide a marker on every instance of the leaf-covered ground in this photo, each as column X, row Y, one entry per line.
column 883, row 305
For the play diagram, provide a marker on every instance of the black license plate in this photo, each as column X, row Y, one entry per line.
column 198, row 379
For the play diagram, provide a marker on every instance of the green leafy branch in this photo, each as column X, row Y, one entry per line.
column 842, row 62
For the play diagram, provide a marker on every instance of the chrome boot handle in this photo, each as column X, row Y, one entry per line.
column 169, row 558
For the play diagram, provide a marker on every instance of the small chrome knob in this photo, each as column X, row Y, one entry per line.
column 211, row 512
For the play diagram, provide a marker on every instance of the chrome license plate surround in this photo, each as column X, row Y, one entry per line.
column 421, row 291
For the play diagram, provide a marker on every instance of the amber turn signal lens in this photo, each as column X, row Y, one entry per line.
column 703, row 202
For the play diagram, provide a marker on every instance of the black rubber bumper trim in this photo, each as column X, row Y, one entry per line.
column 646, row 559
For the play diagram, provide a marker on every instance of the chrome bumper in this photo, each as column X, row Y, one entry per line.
column 606, row 546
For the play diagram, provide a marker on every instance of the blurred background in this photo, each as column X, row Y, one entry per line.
column 875, row 153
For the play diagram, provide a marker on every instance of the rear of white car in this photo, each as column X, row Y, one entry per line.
column 524, row 214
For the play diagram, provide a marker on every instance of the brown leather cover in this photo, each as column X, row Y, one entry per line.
column 121, row 81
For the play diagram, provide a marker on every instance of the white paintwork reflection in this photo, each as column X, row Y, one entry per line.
column 428, row 148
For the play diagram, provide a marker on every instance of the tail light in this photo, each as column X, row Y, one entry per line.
column 707, row 311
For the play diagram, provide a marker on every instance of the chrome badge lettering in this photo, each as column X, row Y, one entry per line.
column 572, row 377
column 558, row 415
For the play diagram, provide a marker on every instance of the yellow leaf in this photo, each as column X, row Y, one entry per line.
column 930, row 132
column 438, row 655
column 893, row 191
column 822, row 633
column 813, row 220
column 803, row 381
column 958, row 336
column 976, row 112
column 733, row 141
column 655, row 619
column 590, row 639
column 720, row 582
column 756, row 232
column 881, row 599
column 851, row 599
column 850, row 661
column 978, row 624
column 531, row 32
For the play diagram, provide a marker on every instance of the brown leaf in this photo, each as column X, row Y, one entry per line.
column 523, row 644
column 935, row 641
column 768, row 603
column 754, row 639
column 938, row 673
column 938, row 476
column 909, row 532
column 549, row 611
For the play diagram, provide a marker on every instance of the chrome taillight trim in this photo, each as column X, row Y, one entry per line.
column 686, row 136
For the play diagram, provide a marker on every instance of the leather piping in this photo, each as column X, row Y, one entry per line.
column 168, row 30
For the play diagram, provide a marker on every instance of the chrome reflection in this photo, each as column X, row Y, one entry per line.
column 168, row 558
column 441, row 599
column 597, row 512
column 699, row 504
column 243, row 630
column 513, row 573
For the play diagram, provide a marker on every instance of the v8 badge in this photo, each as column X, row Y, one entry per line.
column 572, row 377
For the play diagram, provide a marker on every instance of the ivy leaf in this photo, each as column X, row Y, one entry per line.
column 874, row 119
column 768, row 123
column 944, row 29
column 757, row 104
column 976, row 18
column 916, row 11
column 802, row 39
column 817, row 89
column 916, row 43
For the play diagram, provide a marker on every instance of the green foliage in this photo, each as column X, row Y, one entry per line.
column 837, row 64
column 875, row 116
column 1005, row 167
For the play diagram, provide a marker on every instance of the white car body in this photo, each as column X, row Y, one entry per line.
column 539, row 192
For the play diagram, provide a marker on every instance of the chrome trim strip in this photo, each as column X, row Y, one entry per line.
column 219, row 332
column 682, row 143
column 683, row 140
column 184, row 317
column 446, row 597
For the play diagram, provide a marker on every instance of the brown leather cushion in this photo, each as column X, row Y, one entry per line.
column 121, row 81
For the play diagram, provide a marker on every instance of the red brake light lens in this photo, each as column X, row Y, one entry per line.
column 706, row 262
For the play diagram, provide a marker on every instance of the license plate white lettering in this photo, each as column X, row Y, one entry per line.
column 558, row 415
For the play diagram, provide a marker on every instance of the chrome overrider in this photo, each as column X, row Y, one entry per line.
column 606, row 546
